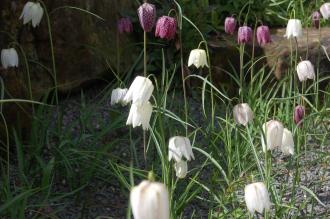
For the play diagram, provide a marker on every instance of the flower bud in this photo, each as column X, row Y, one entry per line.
column 197, row 58
column 305, row 70
column 316, row 19
column 244, row 35
column 179, row 147
column 9, row 58
column 294, row 29
column 325, row 10
column 257, row 197
column 243, row 114
column 125, row 25
column 149, row 200
column 181, row 168
column 230, row 25
column 273, row 131
column 298, row 114
column 263, row 35
column 147, row 16
column 166, row 28
column 287, row 146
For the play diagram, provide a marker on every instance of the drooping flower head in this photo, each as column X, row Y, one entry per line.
column 197, row 58
column 263, row 35
column 150, row 200
column 140, row 90
column 166, row 28
column 179, row 147
column 147, row 16
column 294, row 29
column 32, row 11
column 230, row 25
column 244, row 35
column 117, row 96
column 9, row 58
column 298, row 114
column 181, row 169
column 273, row 131
column 243, row 114
column 125, row 25
column 257, row 197
column 316, row 19
column 305, row 70
column 325, row 10
column 287, row 146
column 140, row 115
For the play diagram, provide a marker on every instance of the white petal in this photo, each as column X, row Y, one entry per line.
column 37, row 13
column 4, row 61
column 242, row 114
column 140, row 90
column 140, row 115
column 325, row 10
column 181, row 169
column 256, row 197
column 287, row 142
column 13, row 58
column 180, row 147
column 198, row 58
column 273, row 131
column 149, row 200
column 117, row 96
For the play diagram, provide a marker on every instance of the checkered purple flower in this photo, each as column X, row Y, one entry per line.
column 316, row 16
column 230, row 25
column 263, row 35
column 147, row 16
column 166, row 28
column 244, row 34
column 298, row 114
column 125, row 25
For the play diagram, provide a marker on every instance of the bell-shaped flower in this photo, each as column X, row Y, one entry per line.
column 316, row 16
column 32, row 11
column 325, row 10
column 147, row 16
column 117, row 96
column 298, row 114
column 287, row 146
column 179, row 147
column 197, row 58
column 140, row 90
column 140, row 115
column 263, row 35
column 305, row 70
column 243, row 114
column 9, row 58
column 181, row 169
column 257, row 197
column 150, row 200
column 273, row 131
column 230, row 25
column 244, row 35
column 294, row 29
column 124, row 25
column 166, row 28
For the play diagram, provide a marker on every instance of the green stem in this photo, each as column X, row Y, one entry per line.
column 27, row 72
column 145, row 75
column 52, row 50
column 241, row 74
column 145, row 54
